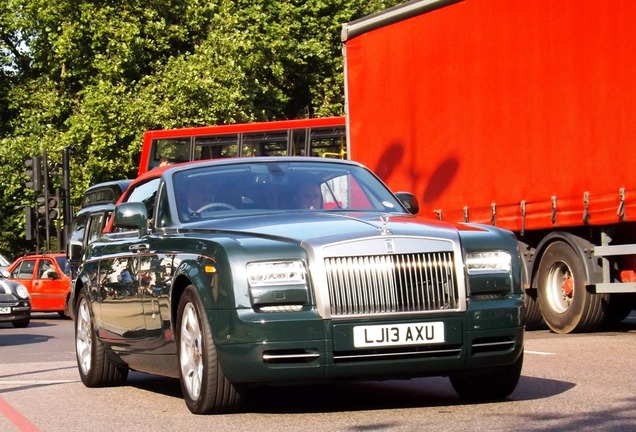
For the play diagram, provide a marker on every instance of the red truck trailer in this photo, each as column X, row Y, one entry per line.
column 515, row 113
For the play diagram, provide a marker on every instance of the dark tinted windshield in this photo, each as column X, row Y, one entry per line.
column 225, row 190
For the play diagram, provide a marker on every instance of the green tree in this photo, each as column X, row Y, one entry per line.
column 95, row 75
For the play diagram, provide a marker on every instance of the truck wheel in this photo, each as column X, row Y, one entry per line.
column 490, row 384
column 205, row 388
column 566, row 305
column 95, row 368
column 533, row 313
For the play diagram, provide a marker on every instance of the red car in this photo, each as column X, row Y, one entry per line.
column 47, row 278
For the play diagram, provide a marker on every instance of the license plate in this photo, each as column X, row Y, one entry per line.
column 5, row 310
column 398, row 334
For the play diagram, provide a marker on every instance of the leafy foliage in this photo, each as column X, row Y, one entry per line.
column 94, row 75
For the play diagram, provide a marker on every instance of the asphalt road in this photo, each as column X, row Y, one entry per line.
column 584, row 382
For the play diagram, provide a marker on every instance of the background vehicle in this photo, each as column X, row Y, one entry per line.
column 88, row 223
column 15, row 303
column 514, row 113
column 323, row 137
column 47, row 278
column 211, row 272
column 4, row 263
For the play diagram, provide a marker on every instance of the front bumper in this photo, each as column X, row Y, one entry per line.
column 17, row 313
column 277, row 348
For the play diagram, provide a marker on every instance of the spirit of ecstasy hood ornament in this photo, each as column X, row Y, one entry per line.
column 384, row 230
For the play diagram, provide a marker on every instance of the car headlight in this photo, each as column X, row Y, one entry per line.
column 22, row 292
column 261, row 274
column 278, row 286
column 488, row 262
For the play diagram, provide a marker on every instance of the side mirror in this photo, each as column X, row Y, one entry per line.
column 132, row 215
column 409, row 202
column 53, row 275
column 75, row 251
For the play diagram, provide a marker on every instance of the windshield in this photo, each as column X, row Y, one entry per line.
column 228, row 190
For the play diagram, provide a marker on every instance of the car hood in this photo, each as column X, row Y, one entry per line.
column 328, row 227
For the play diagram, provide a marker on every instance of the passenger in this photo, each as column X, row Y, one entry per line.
column 308, row 196
column 46, row 270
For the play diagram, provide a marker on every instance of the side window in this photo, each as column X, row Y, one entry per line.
column 95, row 226
column 78, row 227
column 24, row 270
column 45, row 267
column 147, row 194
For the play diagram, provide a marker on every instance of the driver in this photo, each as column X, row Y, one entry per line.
column 196, row 196
column 308, row 196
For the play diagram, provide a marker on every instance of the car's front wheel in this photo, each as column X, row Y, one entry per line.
column 489, row 384
column 205, row 388
column 95, row 368
column 23, row 323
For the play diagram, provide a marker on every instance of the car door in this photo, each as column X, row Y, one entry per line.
column 24, row 271
column 120, row 300
column 48, row 292
column 122, row 296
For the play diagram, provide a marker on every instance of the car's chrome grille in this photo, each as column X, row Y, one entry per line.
column 395, row 283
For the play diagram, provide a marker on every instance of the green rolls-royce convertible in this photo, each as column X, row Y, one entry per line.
column 233, row 273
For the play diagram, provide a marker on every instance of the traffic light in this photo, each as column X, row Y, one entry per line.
column 41, row 208
column 30, row 223
column 34, row 173
column 52, row 208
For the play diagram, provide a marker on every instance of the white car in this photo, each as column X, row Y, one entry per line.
column 4, row 265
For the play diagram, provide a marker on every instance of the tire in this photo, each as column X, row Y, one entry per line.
column 66, row 313
column 566, row 305
column 21, row 323
column 489, row 384
column 533, row 312
column 95, row 368
column 205, row 388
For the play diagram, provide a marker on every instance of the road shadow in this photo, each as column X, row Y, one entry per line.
column 156, row 384
column 11, row 339
column 363, row 396
column 356, row 396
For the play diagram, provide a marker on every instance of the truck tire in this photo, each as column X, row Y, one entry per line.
column 566, row 305
column 489, row 384
column 205, row 387
column 533, row 312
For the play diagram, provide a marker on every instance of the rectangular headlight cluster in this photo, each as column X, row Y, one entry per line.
column 270, row 273
column 488, row 262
